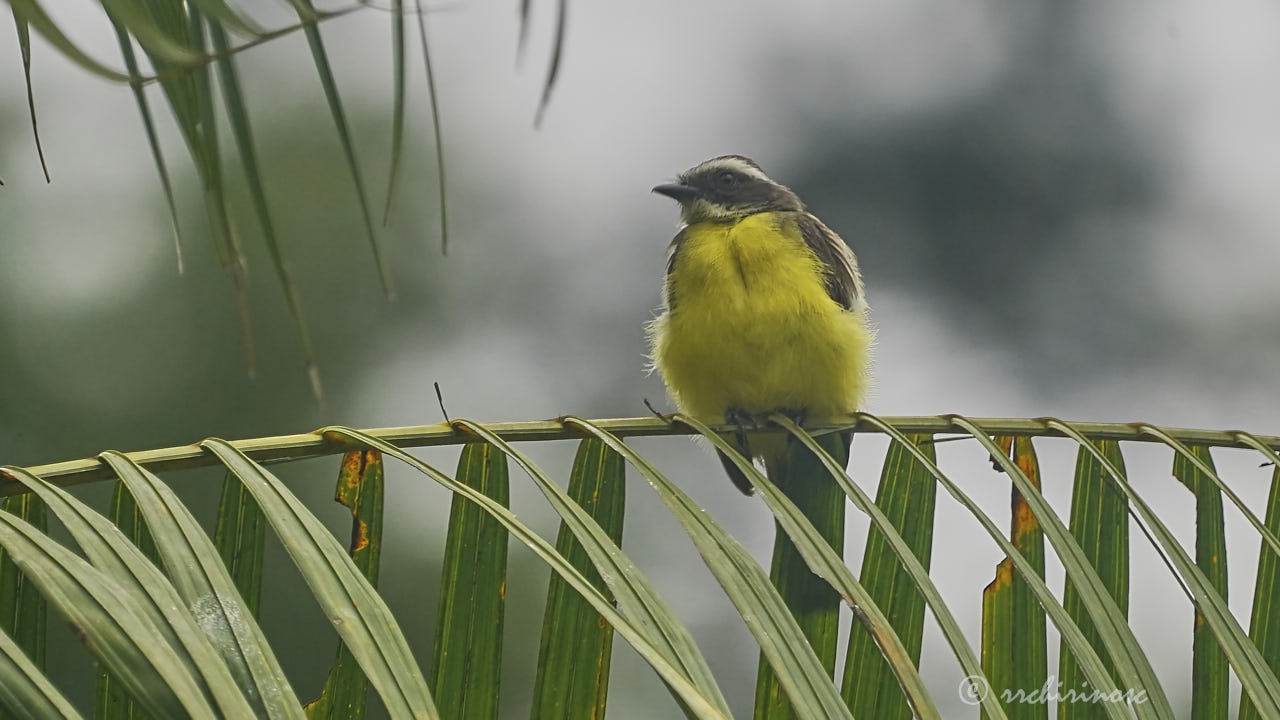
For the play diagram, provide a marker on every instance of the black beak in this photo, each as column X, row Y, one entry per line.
column 678, row 192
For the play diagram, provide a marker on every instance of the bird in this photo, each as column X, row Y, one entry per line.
column 763, row 310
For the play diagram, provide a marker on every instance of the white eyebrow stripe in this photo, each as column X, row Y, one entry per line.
column 731, row 163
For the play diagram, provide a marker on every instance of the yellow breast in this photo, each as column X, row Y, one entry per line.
column 753, row 328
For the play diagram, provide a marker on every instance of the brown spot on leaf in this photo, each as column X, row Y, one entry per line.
column 1003, row 578
column 359, row 536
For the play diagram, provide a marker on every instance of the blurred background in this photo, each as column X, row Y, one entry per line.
column 1060, row 209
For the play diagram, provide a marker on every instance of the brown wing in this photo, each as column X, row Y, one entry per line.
column 844, row 281
column 668, row 296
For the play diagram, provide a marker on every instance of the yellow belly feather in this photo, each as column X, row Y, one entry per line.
column 753, row 327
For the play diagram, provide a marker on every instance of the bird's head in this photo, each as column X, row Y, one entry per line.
column 725, row 189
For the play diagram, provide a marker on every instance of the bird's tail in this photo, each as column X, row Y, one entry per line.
column 740, row 480
column 772, row 450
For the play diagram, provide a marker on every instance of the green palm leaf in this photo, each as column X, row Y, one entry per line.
column 117, row 634
column 574, row 656
column 1255, row 675
column 824, row 563
column 180, row 639
column 1100, row 524
column 147, row 591
column 198, row 575
column 799, row 670
column 360, row 489
column 1210, row 691
column 349, row 601
column 1014, row 641
column 468, row 648
column 907, row 495
column 1264, row 629
column 698, row 702
column 25, row 691
column 240, row 536
column 1117, row 637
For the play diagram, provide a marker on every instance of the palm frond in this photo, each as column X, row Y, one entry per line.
column 175, row 632
column 172, row 36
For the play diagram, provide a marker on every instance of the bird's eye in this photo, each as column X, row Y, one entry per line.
column 727, row 179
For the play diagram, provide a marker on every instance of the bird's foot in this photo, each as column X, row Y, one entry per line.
column 995, row 464
column 741, row 418
column 797, row 415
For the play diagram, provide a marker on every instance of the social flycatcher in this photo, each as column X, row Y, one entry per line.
column 764, row 309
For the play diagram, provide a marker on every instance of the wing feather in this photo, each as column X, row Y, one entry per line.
column 843, row 279
column 668, row 295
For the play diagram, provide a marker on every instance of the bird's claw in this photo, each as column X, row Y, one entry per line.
column 741, row 418
column 797, row 415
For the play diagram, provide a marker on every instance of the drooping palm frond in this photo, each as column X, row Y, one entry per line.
column 171, row 619
column 183, row 41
